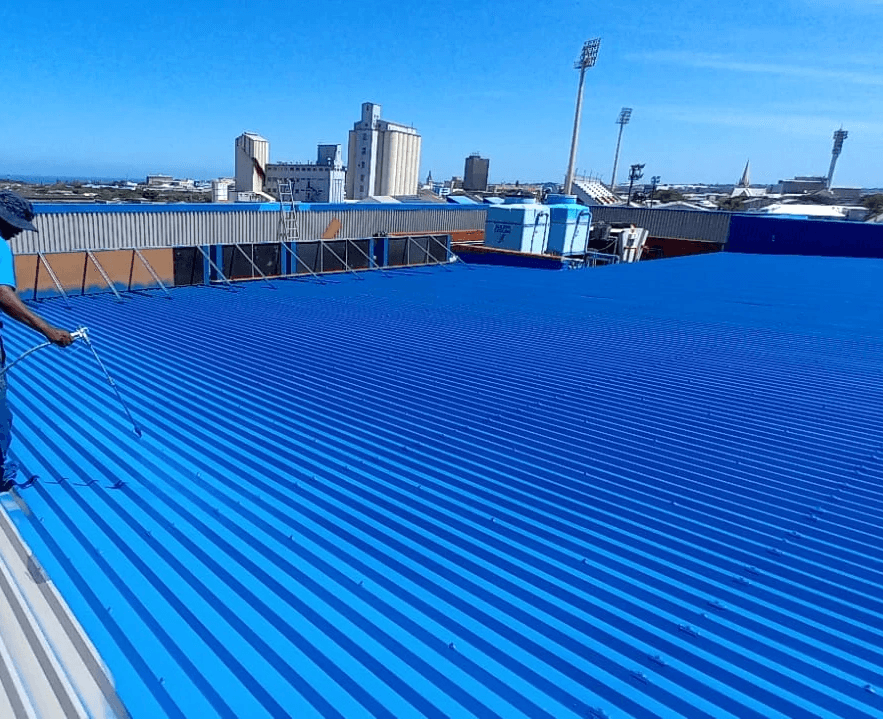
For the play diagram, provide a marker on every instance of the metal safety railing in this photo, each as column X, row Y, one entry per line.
column 315, row 259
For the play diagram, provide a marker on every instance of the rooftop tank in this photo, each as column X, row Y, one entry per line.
column 569, row 226
column 519, row 224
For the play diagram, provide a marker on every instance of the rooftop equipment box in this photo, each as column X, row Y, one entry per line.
column 569, row 226
column 518, row 224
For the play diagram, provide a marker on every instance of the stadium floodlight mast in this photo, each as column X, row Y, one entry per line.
column 636, row 172
column 587, row 59
column 654, row 182
column 839, row 136
column 624, row 116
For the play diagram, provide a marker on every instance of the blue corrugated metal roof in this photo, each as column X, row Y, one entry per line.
column 644, row 490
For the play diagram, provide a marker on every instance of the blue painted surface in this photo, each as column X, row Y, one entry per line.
column 538, row 262
column 641, row 490
column 792, row 236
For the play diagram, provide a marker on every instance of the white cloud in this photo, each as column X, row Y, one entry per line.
column 794, row 124
column 720, row 62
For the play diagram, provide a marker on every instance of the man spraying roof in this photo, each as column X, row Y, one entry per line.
column 16, row 214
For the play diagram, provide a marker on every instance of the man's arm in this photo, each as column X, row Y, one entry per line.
column 18, row 310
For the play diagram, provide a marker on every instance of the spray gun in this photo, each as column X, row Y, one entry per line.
column 82, row 333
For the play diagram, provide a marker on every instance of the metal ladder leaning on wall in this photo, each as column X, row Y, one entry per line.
column 289, row 224
column 289, row 227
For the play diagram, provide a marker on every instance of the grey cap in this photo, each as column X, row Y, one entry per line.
column 16, row 210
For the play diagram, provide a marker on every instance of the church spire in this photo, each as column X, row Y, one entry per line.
column 746, row 177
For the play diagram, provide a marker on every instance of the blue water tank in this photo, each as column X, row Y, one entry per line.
column 569, row 225
column 519, row 224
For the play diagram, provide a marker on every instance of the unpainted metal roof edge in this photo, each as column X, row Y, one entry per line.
column 46, row 657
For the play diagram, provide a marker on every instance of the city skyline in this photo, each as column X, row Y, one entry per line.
column 103, row 91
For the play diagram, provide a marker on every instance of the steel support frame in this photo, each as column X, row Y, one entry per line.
column 42, row 259
column 207, row 256
column 347, row 268
column 254, row 267
column 427, row 255
column 137, row 253
column 294, row 275
column 91, row 256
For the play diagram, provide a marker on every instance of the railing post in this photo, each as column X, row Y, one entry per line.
column 206, row 264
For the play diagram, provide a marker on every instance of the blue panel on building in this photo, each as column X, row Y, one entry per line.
column 791, row 236
column 637, row 491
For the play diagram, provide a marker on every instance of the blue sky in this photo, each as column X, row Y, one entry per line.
column 113, row 89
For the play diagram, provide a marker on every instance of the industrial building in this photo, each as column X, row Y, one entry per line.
column 322, row 181
column 252, row 155
column 384, row 157
column 257, row 179
column 432, row 493
column 475, row 173
column 801, row 185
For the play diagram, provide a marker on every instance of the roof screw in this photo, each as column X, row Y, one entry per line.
column 452, row 646
column 687, row 629
column 870, row 689
column 640, row 676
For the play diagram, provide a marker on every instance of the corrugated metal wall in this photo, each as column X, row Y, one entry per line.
column 789, row 236
column 89, row 227
column 674, row 224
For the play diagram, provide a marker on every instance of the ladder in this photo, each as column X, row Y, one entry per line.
column 289, row 226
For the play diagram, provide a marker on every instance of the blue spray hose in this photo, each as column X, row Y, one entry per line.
column 82, row 333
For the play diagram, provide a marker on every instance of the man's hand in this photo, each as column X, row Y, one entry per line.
column 12, row 305
column 62, row 338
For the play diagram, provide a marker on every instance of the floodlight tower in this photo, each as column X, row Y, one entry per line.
column 624, row 116
column 654, row 183
column 636, row 172
column 839, row 137
column 587, row 59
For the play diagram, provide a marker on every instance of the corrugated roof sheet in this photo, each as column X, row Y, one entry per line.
column 641, row 490
column 48, row 666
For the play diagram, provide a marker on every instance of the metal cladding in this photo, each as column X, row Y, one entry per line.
column 672, row 224
column 67, row 228
column 645, row 490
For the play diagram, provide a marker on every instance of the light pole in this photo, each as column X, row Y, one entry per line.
column 839, row 136
column 635, row 173
column 587, row 59
column 654, row 181
column 624, row 116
